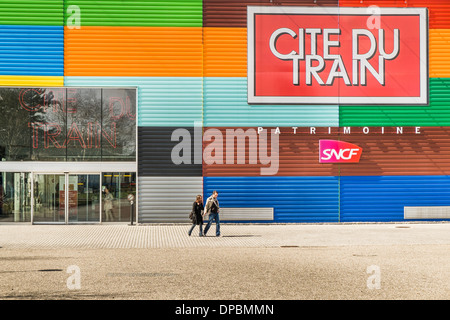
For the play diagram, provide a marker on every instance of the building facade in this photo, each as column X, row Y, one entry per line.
column 159, row 100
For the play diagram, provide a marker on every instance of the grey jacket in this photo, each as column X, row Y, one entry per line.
column 209, row 203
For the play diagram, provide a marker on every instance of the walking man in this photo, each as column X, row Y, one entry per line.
column 212, row 208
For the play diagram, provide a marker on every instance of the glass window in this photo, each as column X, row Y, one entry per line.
column 15, row 133
column 119, row 125
column 84, row 120
column 116, row 188
column 15, row 197
column 47, row 122
column 68, row 124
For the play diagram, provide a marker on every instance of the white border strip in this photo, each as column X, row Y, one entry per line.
column 71, row 167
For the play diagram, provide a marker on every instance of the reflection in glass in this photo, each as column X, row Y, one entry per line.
column 118, row 135
column 47, row 123
column 84, row 198
column 49, row 190
column 15, row 197
column 15, row 135
column 84, row 118
column 116, row 188
column 67, row 124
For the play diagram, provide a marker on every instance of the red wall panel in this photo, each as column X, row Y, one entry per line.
column 233, row 13
column 427, row 153
column 393, row 151
column 298, row 155
column 438, row 10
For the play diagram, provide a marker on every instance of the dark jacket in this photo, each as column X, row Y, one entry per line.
column 197, row 209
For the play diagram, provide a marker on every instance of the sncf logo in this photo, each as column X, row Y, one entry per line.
column 334, row 151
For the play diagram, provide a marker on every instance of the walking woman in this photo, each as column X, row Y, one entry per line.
column 197, row 218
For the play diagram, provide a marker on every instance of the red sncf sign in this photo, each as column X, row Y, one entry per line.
column 304, row 55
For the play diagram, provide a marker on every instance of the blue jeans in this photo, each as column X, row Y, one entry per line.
column 192, row 228
column 213, row 216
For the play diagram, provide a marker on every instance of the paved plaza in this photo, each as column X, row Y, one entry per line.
column 249, row 261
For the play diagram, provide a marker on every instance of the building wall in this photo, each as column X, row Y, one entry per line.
column 188, row 59
column 157, row 47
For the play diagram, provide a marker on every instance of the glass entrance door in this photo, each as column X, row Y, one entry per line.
column 47, row 205
column 84, row 198
column 66, row 198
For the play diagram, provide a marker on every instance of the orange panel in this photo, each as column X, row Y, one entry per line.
column 439, row 48
column 133, row 51
column 225, row 52
column 438, row 10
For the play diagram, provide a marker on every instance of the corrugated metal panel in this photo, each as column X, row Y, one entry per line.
column 133, row 51
column 164, row 101
column 367, row 198
column 225, row 52
column 393, row 151
column 294, row 199
column 427, row 153
column 31, row 81
column 167, row 199
column 439, row 50
column 246, row 214
column 298, row 153
column 181, row 13
column 233, row 13
column 155, row 152
column 32, row 12
column 436, row 114
column 225, row 105
column 432, row 212
column 438, row 10
column 32, row 50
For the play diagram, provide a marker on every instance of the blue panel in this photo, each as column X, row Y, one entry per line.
column 225, row 105
column 294, row 199
column 32, row 50
column 162, row 101
column 382, row 198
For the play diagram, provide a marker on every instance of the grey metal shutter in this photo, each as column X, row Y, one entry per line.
column 167, row 199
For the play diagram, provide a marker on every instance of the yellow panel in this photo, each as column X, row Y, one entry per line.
column 31, row 81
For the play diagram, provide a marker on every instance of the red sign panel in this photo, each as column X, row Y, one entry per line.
column 303, row 55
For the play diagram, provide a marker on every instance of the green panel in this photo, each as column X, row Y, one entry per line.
column 32, row 12
column 437, row 113
column 173, row 13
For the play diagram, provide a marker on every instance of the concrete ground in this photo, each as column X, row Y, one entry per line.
column 256, row 262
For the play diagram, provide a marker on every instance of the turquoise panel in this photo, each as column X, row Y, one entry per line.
column 162, row 101
column 225, row 105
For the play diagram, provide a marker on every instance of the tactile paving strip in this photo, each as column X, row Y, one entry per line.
column 124, row 236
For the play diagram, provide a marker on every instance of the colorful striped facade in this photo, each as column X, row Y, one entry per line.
column 188, row 60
